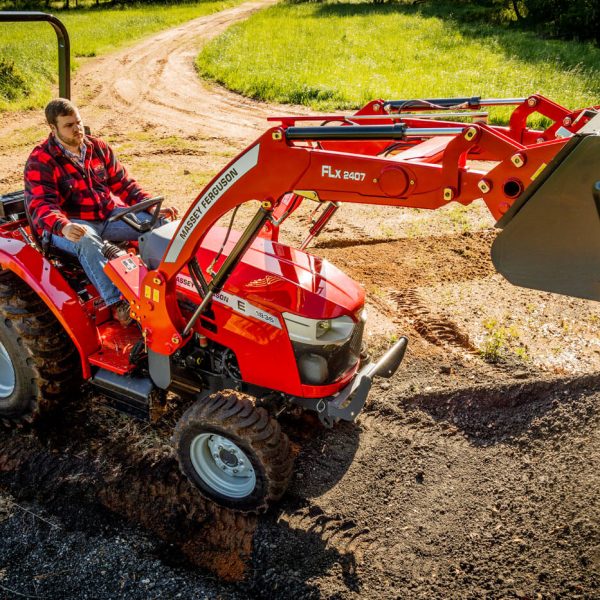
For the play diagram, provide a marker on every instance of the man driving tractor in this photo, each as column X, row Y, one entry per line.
column 74, row 184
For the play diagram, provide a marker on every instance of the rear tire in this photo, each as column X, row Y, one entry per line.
column 38, row 362
column 234, row 452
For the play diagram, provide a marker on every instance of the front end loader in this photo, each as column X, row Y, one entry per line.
column 246, row 328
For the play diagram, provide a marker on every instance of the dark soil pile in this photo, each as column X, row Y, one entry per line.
column 489, row 491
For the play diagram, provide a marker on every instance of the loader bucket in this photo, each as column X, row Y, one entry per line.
column 551, row 235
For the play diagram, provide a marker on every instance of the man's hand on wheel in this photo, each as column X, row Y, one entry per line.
column 73, row 232
column 169, row 212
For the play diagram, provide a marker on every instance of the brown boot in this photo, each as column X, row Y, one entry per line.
column 120, row 313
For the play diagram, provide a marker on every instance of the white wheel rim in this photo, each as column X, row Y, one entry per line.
column 7, row 374
column 222, row 465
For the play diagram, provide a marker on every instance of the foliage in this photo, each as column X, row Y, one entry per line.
column 12, row 82
column 339, row 55
column 499, row 339
column 494, row 345
column 572, row 19
column 566, row 18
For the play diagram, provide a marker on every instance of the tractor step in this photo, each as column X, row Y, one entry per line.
column 551, row 235
column 131, row 395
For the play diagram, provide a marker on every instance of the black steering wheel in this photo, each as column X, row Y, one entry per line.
column 128, row 215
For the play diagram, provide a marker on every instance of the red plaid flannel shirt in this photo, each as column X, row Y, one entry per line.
column 57, row 190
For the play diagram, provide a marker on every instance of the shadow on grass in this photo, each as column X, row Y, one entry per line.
column 474, row 24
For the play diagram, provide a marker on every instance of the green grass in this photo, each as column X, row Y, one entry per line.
column 341, row 55
column 500, row 339
column 28, row 54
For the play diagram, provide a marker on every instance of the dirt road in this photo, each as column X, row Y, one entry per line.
column 464, row 478
column 151, row 87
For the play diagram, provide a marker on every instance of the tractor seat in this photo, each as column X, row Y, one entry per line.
column 14, row 207
column 153, row 244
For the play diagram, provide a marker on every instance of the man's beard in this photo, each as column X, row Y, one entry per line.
column 74, row 142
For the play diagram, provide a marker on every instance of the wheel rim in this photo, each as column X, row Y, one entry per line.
column 7, row 373
column 222, row 465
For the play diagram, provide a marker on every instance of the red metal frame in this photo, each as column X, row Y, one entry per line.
column 271, row 279
column 47, row 281
column 431, row 164
column 278, row 171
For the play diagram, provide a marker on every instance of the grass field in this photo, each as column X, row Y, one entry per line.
column 28, row 52
column 342, row 54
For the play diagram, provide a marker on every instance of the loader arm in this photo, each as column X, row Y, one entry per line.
column 412, row 163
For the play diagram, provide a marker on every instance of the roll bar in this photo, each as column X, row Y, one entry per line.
column 64, row 44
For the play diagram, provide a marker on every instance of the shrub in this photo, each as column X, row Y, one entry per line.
column 579, row 19
column 12, row 82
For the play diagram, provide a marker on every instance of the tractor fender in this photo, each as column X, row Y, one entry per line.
column 49, row 284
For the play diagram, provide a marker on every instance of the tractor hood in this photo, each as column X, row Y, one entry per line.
column 270, row 274
column 283, row 278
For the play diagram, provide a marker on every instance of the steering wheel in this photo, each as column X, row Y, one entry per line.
column 128, row 214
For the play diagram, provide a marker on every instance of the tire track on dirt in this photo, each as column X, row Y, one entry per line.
column 436, row 329
column 342, row 534
column 442, row 435
column 102, row 462
column 368, row 538
column 404, row 449
column 374, row 549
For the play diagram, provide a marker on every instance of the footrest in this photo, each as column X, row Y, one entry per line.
column 117, row 343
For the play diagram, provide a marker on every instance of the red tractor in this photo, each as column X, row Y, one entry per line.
column 247, row 328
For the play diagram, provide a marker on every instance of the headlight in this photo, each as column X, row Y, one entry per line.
column 319, row 332
column 313, row 368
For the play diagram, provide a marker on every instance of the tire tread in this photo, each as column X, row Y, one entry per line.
column 235, row 412
column 42, row 340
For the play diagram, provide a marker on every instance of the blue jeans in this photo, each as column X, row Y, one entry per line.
column 88, row 249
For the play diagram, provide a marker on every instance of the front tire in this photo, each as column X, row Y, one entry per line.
column 39, row 365
column 234, row 452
